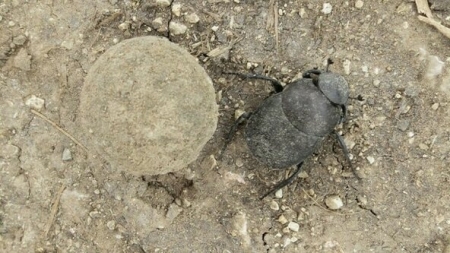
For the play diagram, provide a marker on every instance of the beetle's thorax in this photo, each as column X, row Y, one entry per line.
column 308, row 109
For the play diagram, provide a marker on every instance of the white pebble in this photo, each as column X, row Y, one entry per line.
column 327, row 8
column 238, row 113
column 66, row 155
column 359, row 4
column 111, row 224
column 124, row 26
column 163, row 3
column 279, row 194
column 35, row 102
column 435, row 106
column 282, row 219
column 192, row 18
column 371, row 159
column 176, row 9
column 274, row 205
column 334, row 202
column 293, row 226
column 347, row 66
column 177, row 28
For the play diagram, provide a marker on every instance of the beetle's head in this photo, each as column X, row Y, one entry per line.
column 333, row 86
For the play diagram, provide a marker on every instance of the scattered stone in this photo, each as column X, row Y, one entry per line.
column 423, row 146
column 362, row 200
column 403, row 125
column 35, row 102
column 66, row 155
column 111, row 225
column 282, row 219
column 239, row 228
column 376, row 82
column 239, row 162
column 192, row 18
column 20, row 40
column 176, row 9
column 293, row 226
column 279, row 194
column 173, row 211
column 346, row 66
column 327, row 8
column 359, row 4
column 67, row 44
column 177, row 28
column 274, row 205
column 163, row 3
column 9, row 151
column 157, row 23
column 22, row 60
column 435, row 106
column 371, row 159
column 124, row 26
column 333, row 202
column 238, row 113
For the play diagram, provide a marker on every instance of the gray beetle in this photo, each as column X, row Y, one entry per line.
column 290, row 125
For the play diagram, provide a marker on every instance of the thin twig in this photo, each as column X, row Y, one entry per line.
column 42, row 116
column 54, row 211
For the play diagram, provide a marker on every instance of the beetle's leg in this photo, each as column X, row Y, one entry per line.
column 277, row 86
column 284, row 182
column 329, row 62
column 344, row 114
column 245, row 116
column 346, row 153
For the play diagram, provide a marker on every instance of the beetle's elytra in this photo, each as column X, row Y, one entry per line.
column 290, row 125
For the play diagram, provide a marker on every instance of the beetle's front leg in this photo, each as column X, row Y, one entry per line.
column 346, row 153
column 244, row 117
column 277, row 86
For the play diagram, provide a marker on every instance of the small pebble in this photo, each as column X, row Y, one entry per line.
column 293, row 226
column 20, row 40
column 192, row 18
column 239, row 162
column 173, row 211
column 124, row 26
column 334, row 202
column 371, row 159
column 327, row 8
column 274, row 205
column 282, row 219
column 163, row 3
column 279, row 194
column 177, row 28
column 157, row 23
column 435, row 106
column 238, row 113
column 362, row 200
column 66, row 155
column 35, row 102
column 376, row 82
column 346, row 66
column 176, row 9
column 111, row 225
column 359, row 4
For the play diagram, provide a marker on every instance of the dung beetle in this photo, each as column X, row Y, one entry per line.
column 291, row 124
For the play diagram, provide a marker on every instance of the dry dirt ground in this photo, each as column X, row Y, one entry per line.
column 399, row 135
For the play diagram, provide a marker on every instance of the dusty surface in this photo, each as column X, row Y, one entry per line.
column 399, row 135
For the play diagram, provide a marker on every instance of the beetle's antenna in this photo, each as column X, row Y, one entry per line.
column 245, row 116
column 329, row 62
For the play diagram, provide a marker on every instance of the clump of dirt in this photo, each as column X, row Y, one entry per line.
column 150, row 107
